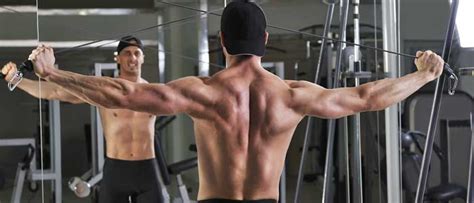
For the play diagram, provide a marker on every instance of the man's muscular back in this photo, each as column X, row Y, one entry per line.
column 244, row 134
column 244, row 119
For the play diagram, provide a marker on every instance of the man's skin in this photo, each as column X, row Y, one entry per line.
column 129, row 134
column 244, row 116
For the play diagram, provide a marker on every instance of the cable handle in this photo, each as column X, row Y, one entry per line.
column 26, row 66
column 452, row 77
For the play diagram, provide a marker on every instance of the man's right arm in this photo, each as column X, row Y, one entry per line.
column 185, row 95
column 311, row 99
column 49, row 91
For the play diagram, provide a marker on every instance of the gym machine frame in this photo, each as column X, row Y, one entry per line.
column 423, row 179
column 54, row 173
column 309, row 124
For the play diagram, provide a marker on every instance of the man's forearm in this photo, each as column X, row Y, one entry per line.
column 384, row 93
column 98, row 91
column 48, row 91
column 31, row 87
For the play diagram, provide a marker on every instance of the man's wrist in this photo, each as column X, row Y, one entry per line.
column 427, row 76
column 48, row 75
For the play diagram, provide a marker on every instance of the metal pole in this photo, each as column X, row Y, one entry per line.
column 203, row 41
column 390, row 38
column 470, row 189
column 282, row 198
column 18, row 185
column 430, row 135
column 357, row 186
column 327, row 27
column 55, row 137
column 296, row 69
column 94, row 170
column 344, row 8
column 161, row 54
column 346, row 158
column 444, row 145
column 355, row 4
column 330, row 12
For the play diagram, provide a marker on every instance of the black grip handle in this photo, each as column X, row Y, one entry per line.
column 448, row 70
column 26, row 66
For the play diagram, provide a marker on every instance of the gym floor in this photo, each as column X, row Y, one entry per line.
column 310, row 192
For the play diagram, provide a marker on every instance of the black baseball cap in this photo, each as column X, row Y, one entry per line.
column 129, row 41
column 243, row 26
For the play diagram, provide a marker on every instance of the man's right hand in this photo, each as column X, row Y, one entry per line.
column 9, row 71
column 43, row 60
column 429, row 63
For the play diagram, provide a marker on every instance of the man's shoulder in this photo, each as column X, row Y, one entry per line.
column 194, row 79
column 298, row 83
column 142, row 80
column 189, row 82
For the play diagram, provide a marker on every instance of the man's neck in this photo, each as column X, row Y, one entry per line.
column 251, row 61
column 131, row 78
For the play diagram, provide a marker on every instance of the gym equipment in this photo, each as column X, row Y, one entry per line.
column 2, row 180
column 411, row 162
column 81, row 187
column 469, row 72
column 18, row 77
column 309, row 124
column 470, row 188
column 174, row 169
column 24, row 170
column 436, row 107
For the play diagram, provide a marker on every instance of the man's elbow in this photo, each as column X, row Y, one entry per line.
column 371, row 101
column 54, row 96
column 75, row 101
column 377, row 103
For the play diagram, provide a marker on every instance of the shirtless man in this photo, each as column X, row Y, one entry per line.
column 130, row 168
column 244, row 117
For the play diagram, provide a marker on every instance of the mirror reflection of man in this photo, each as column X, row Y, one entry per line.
column 130, row 169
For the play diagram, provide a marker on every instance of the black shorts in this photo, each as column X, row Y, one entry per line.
column 237, row 201
column 130, row 180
